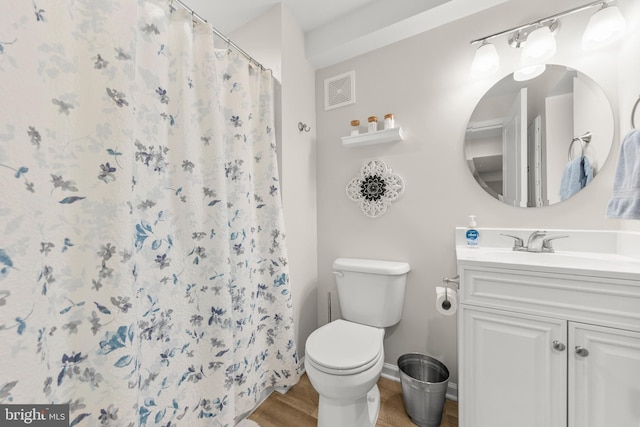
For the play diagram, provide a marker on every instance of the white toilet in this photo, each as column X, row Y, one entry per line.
column 344, row 358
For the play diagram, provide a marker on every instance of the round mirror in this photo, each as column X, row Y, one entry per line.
column 538, row 142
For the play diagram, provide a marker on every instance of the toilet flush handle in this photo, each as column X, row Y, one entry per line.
column 339, row 274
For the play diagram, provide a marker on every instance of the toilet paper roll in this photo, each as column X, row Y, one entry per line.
column 446, row 301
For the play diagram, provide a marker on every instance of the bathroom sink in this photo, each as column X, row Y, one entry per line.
column 572, row 262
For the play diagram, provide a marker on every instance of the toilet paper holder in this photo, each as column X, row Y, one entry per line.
column 446, row 304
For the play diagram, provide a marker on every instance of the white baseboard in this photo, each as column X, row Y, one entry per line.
column 391, row 372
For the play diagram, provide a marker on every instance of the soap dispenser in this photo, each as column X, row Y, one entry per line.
column 472, row 235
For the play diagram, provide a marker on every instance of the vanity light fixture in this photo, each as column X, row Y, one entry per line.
column 537, row 38
column 539, row 47
column 486, row 60
column 605, row 27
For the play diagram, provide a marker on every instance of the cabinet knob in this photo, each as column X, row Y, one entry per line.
column 581, row 351
column 557, row 345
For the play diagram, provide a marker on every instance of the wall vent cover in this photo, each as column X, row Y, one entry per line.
column 340, row 90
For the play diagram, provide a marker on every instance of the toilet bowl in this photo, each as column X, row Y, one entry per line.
column 344, row 358
column 344, row 361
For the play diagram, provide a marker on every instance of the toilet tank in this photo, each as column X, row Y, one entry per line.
column 371, row 292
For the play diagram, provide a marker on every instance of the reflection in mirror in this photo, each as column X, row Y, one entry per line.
column 526, row 142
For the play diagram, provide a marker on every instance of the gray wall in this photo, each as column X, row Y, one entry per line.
column 425, row 82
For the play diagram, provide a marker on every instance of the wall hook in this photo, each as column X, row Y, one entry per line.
column 303, row 127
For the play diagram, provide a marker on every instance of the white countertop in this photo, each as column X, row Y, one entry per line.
column 564, row 262
column 582, row 253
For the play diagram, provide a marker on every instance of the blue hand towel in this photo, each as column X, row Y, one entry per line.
column 625, row 200
column 576, row 175
column 586, row 172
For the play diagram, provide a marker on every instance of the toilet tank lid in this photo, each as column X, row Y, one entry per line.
column 372, row 266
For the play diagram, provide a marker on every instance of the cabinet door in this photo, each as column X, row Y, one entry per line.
column 512, row 374
column 604, row 376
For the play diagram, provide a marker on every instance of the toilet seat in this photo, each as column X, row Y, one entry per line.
column 344, row 348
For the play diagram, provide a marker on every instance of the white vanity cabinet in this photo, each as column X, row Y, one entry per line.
column 604, row 376
column 547, row 347
column 510, row 374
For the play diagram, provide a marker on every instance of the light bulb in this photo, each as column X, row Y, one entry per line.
column 605, row 27
column 539, row 46
column 486, row 60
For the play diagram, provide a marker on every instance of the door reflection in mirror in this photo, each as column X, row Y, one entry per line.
column 518, row 139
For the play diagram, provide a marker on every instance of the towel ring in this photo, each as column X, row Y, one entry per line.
column 584, row 140
column 633, row 113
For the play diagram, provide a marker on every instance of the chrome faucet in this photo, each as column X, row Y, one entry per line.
column 535, row 243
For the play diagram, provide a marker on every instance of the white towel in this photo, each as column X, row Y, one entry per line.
column 625, row 200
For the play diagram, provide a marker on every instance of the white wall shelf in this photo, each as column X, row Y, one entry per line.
column 370, row 138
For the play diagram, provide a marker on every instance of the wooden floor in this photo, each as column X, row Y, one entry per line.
column 299, row 407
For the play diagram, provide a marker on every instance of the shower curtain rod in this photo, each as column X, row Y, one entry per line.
column 218, row 33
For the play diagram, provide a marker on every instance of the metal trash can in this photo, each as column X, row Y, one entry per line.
column 424, row 387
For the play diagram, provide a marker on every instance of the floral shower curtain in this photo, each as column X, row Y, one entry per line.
column 143, row 268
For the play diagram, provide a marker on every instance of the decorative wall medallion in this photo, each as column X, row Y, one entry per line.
column 375, row 188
